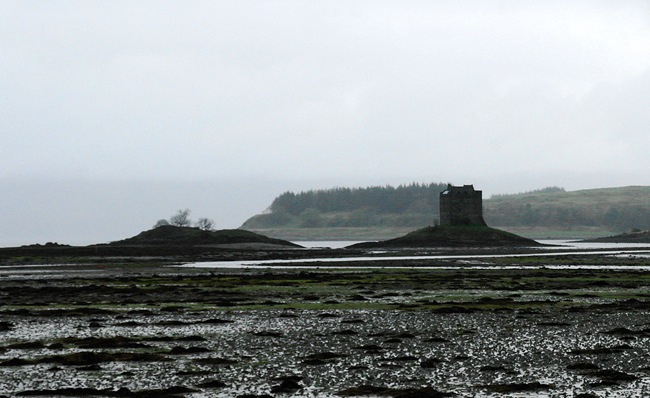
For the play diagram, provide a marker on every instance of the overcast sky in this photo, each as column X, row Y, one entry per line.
column 114, row 107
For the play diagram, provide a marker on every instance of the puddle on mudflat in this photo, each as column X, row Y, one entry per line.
column 330, row 351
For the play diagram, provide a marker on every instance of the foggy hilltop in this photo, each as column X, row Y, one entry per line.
column 306, row 123
column 84, row 212
column 117, row 114
column 543, row 211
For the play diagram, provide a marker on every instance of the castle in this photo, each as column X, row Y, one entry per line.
column 461, row 206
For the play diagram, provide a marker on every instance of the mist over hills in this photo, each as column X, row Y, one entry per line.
column 83, row 212
column 617, row 209
column 601, row 211
column 403, row 206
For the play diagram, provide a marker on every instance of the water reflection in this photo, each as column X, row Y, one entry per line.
column 326, row 244
column 559, row 248
column 572, row 244
column 567, row 243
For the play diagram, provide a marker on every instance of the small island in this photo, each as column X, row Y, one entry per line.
column 461, row 225
column 171, row 235
column 162, row 244
column 453, row 236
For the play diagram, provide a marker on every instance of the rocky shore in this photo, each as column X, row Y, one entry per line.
column 145, row 331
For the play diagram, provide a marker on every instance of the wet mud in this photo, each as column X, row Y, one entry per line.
column 176, row 332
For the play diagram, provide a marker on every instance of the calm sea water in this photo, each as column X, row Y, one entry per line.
column 569, row 244
column 331, row 244
column 566, row 248
column 592, row 245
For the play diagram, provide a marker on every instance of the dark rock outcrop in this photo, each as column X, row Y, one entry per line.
column 187, row 236
column 453, row 236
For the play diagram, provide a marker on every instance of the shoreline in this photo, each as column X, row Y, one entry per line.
column 153, row 329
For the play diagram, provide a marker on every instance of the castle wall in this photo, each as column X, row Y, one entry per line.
column 461, row 206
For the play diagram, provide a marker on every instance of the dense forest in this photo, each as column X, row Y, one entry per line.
column 405, row 205
column 416, row 205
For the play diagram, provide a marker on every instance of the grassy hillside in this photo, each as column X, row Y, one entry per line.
column 545, row 213
column 616, row 209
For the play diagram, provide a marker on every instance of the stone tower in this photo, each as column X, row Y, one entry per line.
column 461, row 206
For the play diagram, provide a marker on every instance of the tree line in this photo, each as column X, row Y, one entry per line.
column 381, row 199
column 404, row 205
column 417, row 205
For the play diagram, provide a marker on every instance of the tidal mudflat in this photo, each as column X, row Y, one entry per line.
column 146, row 331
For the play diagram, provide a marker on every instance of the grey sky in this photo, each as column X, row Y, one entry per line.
column 289, row 95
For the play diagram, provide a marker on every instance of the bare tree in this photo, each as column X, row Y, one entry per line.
column 161, row 223
column 181, row 218
column 205, row 224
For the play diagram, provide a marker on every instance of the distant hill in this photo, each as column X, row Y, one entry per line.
column 388, row 209
column 629, row 237
column 403, row 206
column 168, row 235
column 616, row 209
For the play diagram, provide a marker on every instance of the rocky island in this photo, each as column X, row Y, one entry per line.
column 449, row 236
column 194, row 237
column 461, row 225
